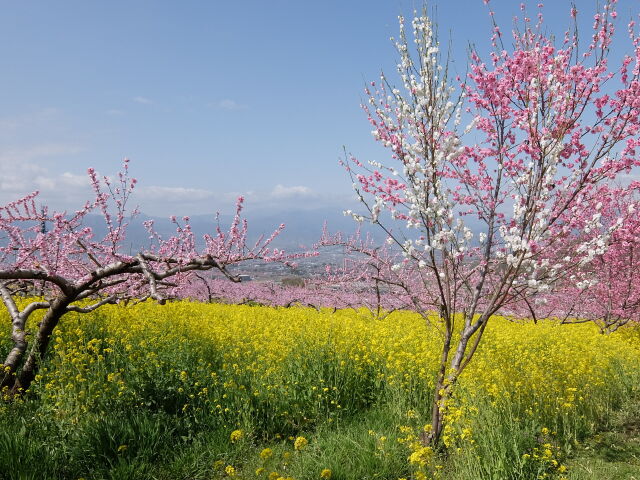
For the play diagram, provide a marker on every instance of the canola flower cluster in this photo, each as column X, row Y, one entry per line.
column 265, row 375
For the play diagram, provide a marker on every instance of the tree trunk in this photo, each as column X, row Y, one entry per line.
column 444, row 385
column 13, row 360
column 439, row 395
column 23, row 379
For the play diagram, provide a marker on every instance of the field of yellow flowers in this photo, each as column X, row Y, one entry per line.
column 207, row 391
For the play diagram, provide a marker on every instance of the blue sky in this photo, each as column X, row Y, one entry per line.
column 209, row 99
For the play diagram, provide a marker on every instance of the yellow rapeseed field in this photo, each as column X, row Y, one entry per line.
column 264, row 374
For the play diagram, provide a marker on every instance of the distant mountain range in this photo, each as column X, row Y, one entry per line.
column 302, row 227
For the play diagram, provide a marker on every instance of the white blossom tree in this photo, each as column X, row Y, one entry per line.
column 489, row 174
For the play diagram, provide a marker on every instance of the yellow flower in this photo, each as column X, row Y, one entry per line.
column 230, row 471
column 266, row 453
column 326, row 473
column 236, row 435
column 300, row 443
column 273, row 476
column 259, row 471
column 421, row 456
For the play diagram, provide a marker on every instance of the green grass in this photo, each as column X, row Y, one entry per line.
column 363, row 447
column 614, row 453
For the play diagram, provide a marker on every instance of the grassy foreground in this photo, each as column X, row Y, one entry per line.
column 202, row 391
column 614, row 453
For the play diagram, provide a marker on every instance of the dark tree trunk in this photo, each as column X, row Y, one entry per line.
column 13, row 360
column 437, row 407
column 24, row 377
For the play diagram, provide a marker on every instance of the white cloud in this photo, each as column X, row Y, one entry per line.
column 230, row 105
column 174, row 200
column 31, row 145
column 20, row 174
column 143, row 100
column 173, row 194
column 39, row 151
column 44, row 183
column 73, row 180
column 282, row 192
column 29, row 120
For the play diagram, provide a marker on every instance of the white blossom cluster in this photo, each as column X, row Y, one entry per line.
column 425, row 121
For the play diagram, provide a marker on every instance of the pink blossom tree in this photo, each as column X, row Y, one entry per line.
column 490, row 175
column 606, row 291
column 52, row 255
column 368, row 277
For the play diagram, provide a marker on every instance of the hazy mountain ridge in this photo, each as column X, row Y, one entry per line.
column 302, row 229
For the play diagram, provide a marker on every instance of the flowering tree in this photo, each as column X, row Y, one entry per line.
column 360, row 280
column 271, row 293
column 368, row 277
column 54, row 256
column 607, row 290
column 352, row 285
column 610, row 295
column 490, row 175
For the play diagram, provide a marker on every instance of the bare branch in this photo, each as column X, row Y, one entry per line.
column 9, row 302
column 90, row 308
column 33, row 274
column 151, row 277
